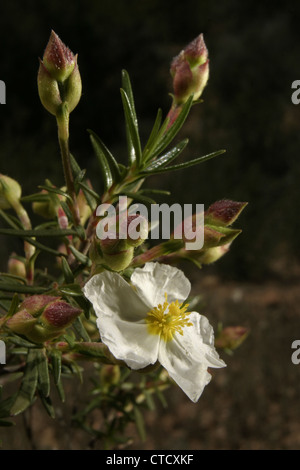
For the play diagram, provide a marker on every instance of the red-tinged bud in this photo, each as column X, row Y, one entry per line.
column 224, row 212
column 211, row 255
column 190, row 71
column 231, row 337
column 59, row 81
column 16, row 266
column 10, row 191
column 136, row 228
column 59, row 314
column 36, row 303
column 58, row 59
column 21, row 322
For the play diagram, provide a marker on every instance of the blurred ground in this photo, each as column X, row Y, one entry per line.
column 251, row 404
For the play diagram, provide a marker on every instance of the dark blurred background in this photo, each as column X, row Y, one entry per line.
column 254, row 52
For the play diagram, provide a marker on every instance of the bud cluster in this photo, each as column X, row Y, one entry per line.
column 42, row 317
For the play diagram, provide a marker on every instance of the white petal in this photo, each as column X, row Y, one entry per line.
column 111, row 295
column 190, row 375
column 155, row 279
column 188, row 356
column 129, row 342
column 198, row 341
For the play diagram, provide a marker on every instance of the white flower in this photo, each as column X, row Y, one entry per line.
column 146, row 322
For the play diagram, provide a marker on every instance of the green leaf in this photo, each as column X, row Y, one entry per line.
column 168, row 157
column 104, row 165
column 67, row 272
column 75, row 167
column 13, row 306
column 54, row 190
column 90, row 191
column 78, row 325
column 38, row 233
column 182, row 166
column 47, row 403
column 100, row 148
column 132, row 133
column 171, row 133
column 56, row 365
column 43, row 372
column 28, row 386
column 11, row 220
column 80, row 257
column 22, row 289
column 152, row 138
column 71, row 289
column 139, row 421
column 137, row 197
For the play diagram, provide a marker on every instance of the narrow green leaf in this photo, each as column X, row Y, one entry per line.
column 75, row 167
column 132, row 133
column 43, row 247
column 22, row 289
column 10, row 220
column 13, row 306
column 182, row 166
column 80, row 257
column 20, row 342
column 104, row 165
column 13, row 277
column 171, row 133
column 101, row 148
column 56, row 365
column 126, row 85
column 5, row 406
column 154, row 133
column 28, row 386
column 67, row 272
column 162, row 192
column 36, row 197
column 139, row 421
column 138, row 197
column 168, row 157
column 71, row 289
column 47, row 403
column 61, row 391
column 43, row 372
column 90, row 191
column 54, row 190
column 38, row 233
column 67, row 211
column 78, row 325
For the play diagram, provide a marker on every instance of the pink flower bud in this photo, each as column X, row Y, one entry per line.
column 231, row 337
column 21, row 322
column 36, row 303
column 59, row 314
column 16, row 266
column 58, row 59
column 224, row 212
column 190, row 71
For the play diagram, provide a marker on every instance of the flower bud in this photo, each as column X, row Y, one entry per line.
column 231, row 337
column 211, row 255
column 59, row 80
column 190, row 71
column 10, row 191
column 42, row 317
column 59, row 314
column 36, row 303
column 224, row 212
column 21, row 322
column 84, row 209
column 16, row 266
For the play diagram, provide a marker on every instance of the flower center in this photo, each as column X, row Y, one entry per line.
column 164, row 320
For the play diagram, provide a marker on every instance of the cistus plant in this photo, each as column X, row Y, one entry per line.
column 114, row 308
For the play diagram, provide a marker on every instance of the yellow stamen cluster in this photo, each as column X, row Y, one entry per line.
column 164, row 320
